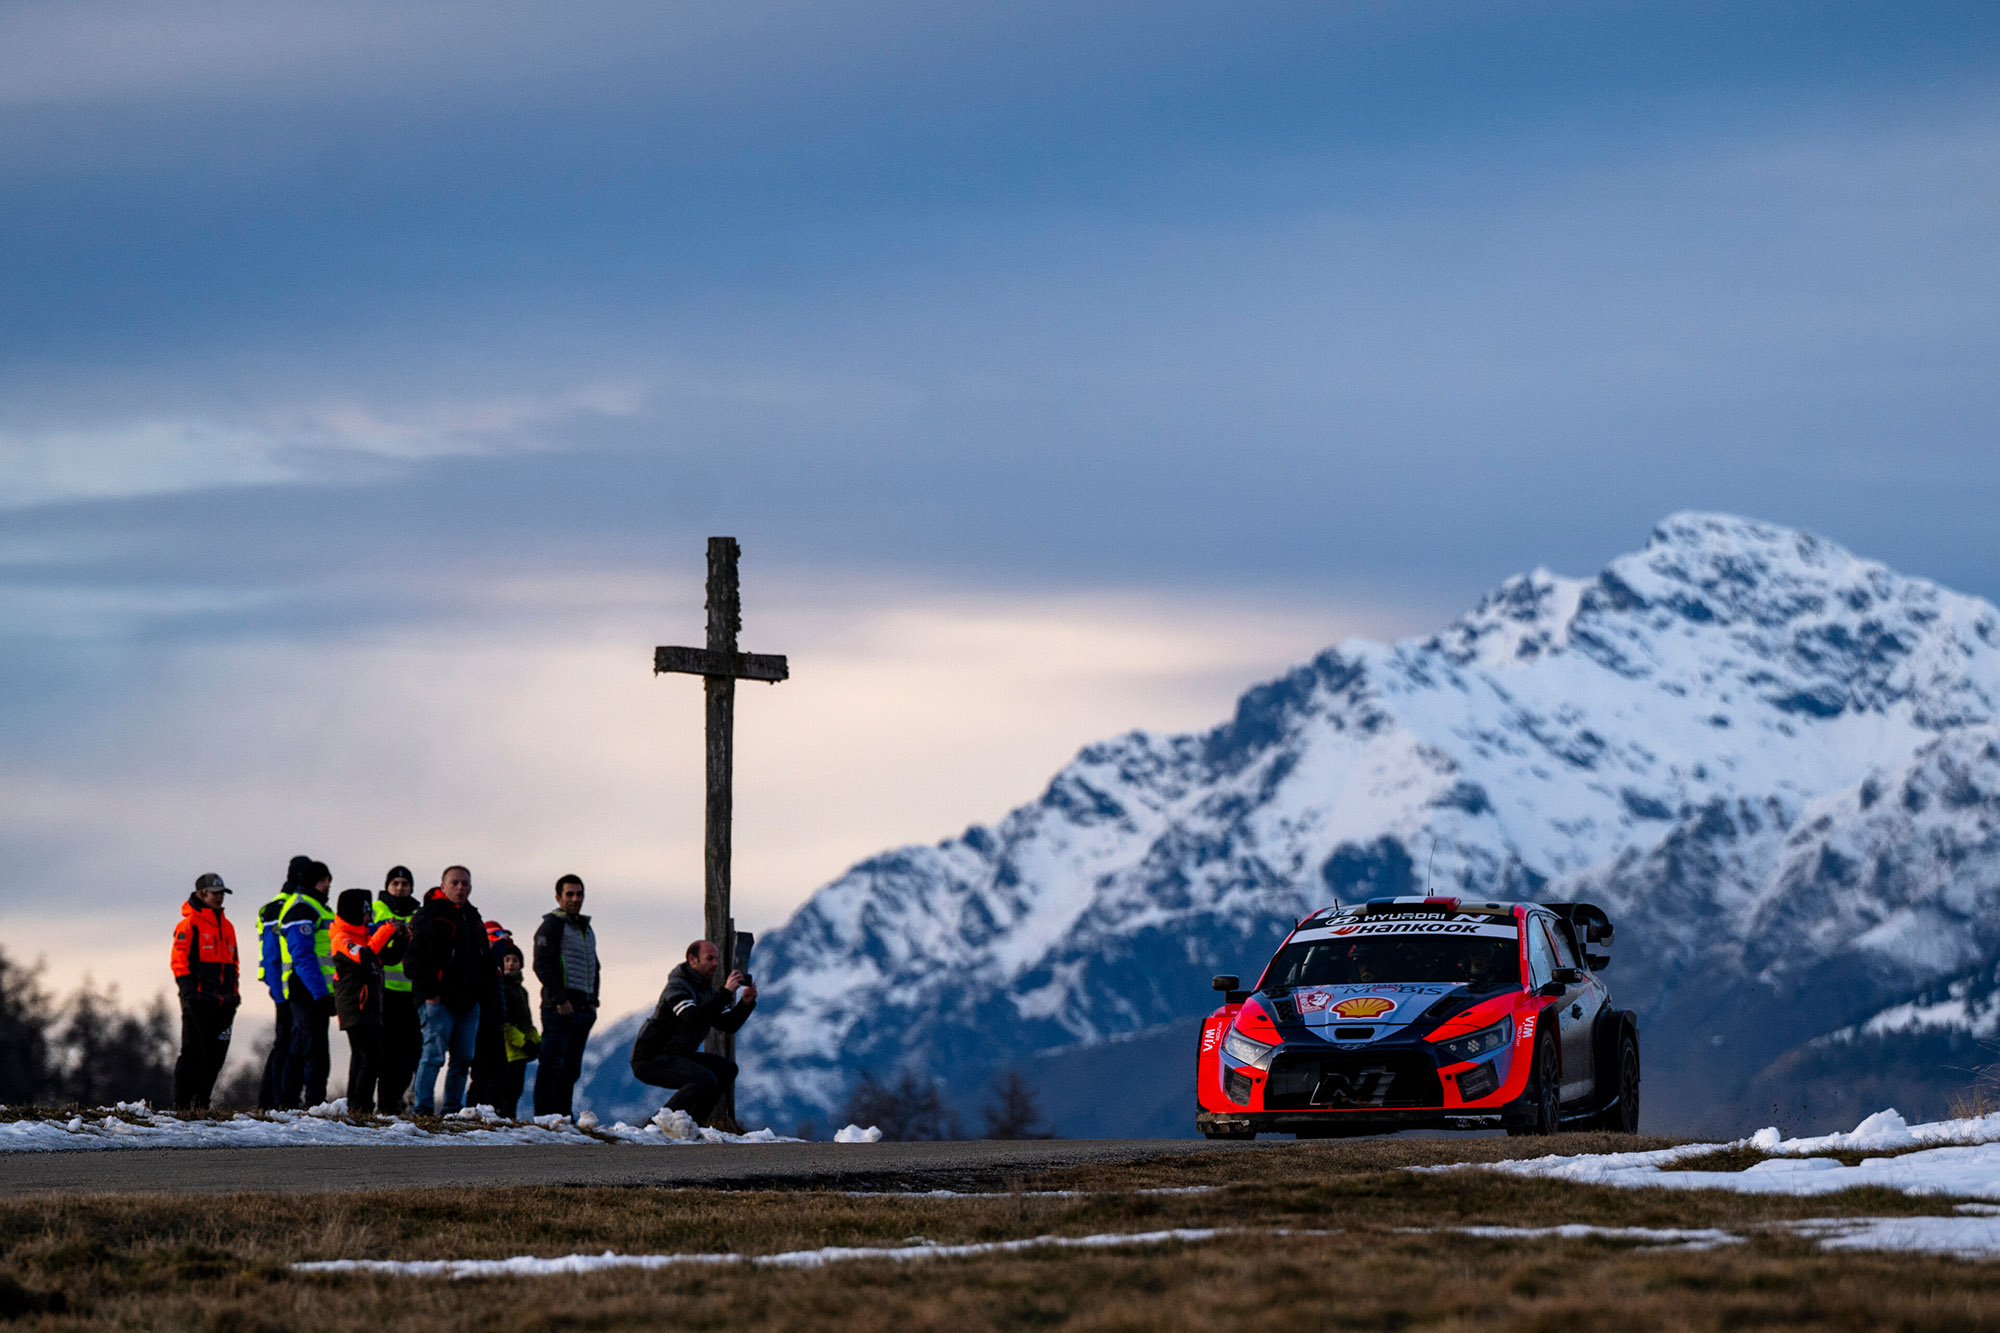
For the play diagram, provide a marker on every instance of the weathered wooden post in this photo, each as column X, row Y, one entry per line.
column 720, row 667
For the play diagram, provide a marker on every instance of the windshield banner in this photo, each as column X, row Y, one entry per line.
column 1394, row 926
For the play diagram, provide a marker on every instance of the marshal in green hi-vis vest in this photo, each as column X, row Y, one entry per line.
column 322, row 935
column 267, row 933
column 392, row 973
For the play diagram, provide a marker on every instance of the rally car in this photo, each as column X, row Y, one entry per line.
column 1424, row 1012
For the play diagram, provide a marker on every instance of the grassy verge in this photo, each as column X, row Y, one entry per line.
column 221, row 1263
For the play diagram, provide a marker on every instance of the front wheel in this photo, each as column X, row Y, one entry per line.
column 1536, row 1112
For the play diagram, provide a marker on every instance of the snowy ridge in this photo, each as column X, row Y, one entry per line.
column 1753, row 746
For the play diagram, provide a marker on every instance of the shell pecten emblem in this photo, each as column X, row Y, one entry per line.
column 1364, row 1006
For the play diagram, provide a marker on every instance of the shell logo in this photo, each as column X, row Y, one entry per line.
column 1364, row 1006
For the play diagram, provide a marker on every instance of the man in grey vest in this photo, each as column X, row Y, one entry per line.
column 566, row 965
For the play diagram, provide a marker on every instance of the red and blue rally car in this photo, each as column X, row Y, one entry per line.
column 1423, row 1012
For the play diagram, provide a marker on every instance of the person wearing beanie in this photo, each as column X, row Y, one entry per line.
column 358, row 947
column 204, row 963
column 271, row 971
column 402, row 1034
column 521, row 1041
column 305, row 945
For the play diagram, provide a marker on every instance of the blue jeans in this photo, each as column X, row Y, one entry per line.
column 445, row 1033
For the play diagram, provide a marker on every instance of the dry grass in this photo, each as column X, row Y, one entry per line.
column 220, row 1263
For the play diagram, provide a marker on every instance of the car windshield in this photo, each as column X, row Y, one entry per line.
column 1483, row 962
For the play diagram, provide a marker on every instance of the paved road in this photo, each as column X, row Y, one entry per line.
column 314, row 1170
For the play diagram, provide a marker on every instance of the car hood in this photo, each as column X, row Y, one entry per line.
column 1385, row 1006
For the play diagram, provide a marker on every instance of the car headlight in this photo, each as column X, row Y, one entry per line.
column 1246, row 1050
column 1479, row 1043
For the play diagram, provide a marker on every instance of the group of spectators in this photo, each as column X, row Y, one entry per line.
column 420, row 985
column 427, row 985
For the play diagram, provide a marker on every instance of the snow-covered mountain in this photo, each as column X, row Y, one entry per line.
column 1773, row 761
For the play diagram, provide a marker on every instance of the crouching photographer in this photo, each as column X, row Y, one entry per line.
column 667, row 1052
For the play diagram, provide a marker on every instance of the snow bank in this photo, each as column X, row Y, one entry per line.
column 1885, row 1130
column 856, row 1134
column 529, row 1266
column 136, row 1125
column 1966, row 1164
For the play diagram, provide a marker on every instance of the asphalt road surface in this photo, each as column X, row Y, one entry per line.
column 976, row 1164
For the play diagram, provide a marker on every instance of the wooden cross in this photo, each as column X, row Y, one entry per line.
column 720, row 667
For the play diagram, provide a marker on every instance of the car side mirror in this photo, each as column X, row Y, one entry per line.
column 1598, row 961
column 1562, row 978
column 1225, row 983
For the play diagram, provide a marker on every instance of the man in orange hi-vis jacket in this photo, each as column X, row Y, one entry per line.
column 204, row 962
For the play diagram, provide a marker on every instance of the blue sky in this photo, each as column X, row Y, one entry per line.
column 371, row 374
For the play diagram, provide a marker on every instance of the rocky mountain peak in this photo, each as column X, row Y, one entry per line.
column 1688, row 736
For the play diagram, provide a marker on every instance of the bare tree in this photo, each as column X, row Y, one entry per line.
column 1013, row 1109
column 108, row 1055
column 908, row 1109
column 27, row 1068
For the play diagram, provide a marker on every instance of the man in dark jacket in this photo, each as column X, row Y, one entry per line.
column 205, row 965
column 667, row 1053
column 566, row 965
column 449, row 966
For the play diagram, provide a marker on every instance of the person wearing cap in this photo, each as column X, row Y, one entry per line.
column 271, row 971
column 205, row 966
column 305, row 941
column 402, row 1033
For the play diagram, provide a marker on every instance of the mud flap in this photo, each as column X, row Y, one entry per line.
column 1612, row 1027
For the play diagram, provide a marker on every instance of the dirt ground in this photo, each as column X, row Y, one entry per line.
column 1374, row 1261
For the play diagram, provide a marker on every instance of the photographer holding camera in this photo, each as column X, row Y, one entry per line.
column 667, row 1052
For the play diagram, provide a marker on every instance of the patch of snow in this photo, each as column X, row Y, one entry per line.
column 1656, row 1238
column 1026, row 1194
column 856, row 1134
column 134, row 1125
column 530, row 1266
column 1961, row 1237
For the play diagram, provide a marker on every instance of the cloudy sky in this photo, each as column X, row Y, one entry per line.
column 371, row 375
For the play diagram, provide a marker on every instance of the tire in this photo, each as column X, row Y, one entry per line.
column 1538, row 1110
column 1622, row 1117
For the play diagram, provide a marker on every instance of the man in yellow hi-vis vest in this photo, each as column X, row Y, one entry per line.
column 402, row 1033
column 305, row 942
